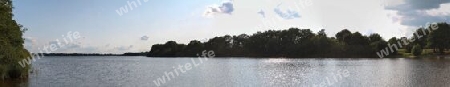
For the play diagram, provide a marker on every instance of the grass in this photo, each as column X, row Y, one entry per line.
column 425, row 53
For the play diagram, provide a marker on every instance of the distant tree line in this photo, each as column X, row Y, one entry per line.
column 294, row 42
column 303, row 43
column 93, row 54
column 78, row 54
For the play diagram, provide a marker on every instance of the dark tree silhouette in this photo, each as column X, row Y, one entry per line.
column 300, row 43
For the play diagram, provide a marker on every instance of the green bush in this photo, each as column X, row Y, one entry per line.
column 417, row 50
column 408, row 48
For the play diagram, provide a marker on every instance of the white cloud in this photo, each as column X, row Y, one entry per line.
column 225, row 7
column 29, row 39
column 262, row 13
column 30, row 43
column 144, row 38
column 389, row 3
column 443, row 10
column 123, row 48
column 288, row 14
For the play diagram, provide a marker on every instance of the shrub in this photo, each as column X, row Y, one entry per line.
column 417, row 50
column 408, row 48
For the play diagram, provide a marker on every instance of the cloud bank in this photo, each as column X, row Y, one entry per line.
column 417, row 13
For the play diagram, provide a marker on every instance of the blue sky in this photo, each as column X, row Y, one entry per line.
column 103, row 30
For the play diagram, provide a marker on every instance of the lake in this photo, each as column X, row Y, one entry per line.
column 122, row 71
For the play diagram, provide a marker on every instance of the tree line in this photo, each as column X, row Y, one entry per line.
column 304, row 43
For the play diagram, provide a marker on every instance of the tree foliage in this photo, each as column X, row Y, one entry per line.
column 292, row 42
column 11, row 44
column 417, row 50
column 394, row 40
column 439, row 38
column 304, row 43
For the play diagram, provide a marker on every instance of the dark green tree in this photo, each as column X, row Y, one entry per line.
column 408, row 45
column 238, row 44
column 169, row 49
column 421, row 37
column 394, row 41
column 375, row 37
column 193, row 48
column 324, row 46
column 417, row 50
column 11, row 43
column 221, row 45
column 344, row 36
column 440, row 38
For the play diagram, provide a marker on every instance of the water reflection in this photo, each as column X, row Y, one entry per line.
column 14, row 83
column 283, row 72
column 430, row 72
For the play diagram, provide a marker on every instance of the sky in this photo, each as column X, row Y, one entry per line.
column 118, row 26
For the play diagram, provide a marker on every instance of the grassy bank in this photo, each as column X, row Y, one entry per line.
column 426, row 53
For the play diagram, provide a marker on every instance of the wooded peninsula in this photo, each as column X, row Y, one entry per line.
column 304, row 43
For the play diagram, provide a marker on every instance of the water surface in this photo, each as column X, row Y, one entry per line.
column 238, row 72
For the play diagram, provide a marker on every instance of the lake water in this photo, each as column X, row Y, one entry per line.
column 237, row 72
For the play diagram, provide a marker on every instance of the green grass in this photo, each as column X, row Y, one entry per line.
column 425, row 52
column 402, row 53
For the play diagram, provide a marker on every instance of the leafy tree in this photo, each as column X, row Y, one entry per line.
column 417, row 50
column 394, row 40
column 173, row 48
column 375, row 37
column 156, row 51
column 408, row 47
column 358, row 39
column 296, row 41
column 169, row 49
column 324, row 46
column 344, row 36
column 193, row 48
column 221, row 45
column 440, row 38
column 420, row 37
column 322, row 33
column 238, row 44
